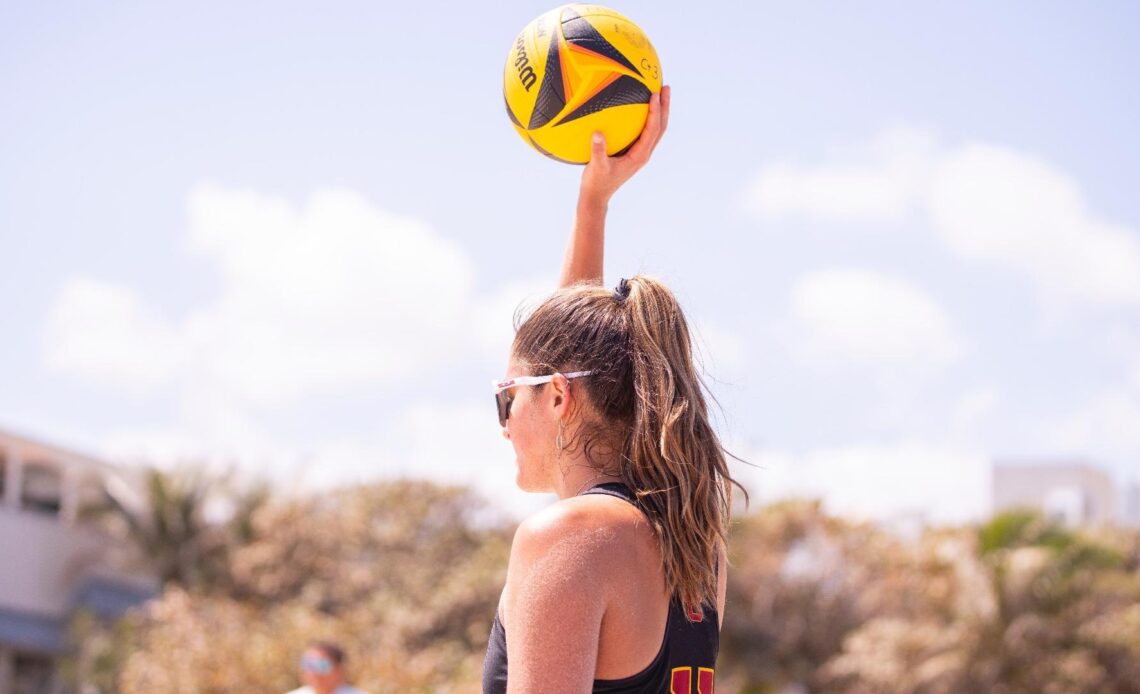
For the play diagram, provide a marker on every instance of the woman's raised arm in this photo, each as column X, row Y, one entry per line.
column 602, row 177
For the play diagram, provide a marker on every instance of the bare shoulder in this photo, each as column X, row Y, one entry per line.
column 577, row 544
column 558, row 584
column 581, row 526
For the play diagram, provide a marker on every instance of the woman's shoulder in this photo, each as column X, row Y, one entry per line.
column 589, row 540
column 585, row 524
column 580, row 548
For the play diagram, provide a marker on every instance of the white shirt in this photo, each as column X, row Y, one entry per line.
column 342, row 689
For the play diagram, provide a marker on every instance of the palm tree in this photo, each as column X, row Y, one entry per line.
column 184, row 522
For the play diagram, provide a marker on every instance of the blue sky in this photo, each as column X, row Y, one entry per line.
column 293, row 236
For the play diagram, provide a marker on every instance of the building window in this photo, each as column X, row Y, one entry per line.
column 41, row 490
column 91, row 502
column 33, row 673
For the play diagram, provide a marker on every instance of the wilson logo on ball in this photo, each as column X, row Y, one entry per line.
column 526, row 72
column 595, row 71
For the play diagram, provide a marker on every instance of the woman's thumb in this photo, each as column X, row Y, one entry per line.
column 597, row 147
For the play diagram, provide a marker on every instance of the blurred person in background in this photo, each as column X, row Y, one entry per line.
column 618, row 586
column 322, row 670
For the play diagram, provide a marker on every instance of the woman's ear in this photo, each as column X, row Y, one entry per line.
column 562, row 399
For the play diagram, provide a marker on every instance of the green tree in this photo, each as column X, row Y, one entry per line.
column 406, row 575
column 165, row 516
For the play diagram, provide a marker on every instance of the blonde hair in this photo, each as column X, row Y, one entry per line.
column 651, row 407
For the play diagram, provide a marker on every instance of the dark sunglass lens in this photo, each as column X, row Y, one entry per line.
column 503, row 405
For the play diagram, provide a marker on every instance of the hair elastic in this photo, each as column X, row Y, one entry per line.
column 621, row 293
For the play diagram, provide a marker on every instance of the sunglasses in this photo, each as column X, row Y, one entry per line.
column 504, row 390
column 321, row 666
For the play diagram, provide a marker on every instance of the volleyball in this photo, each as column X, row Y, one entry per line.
column 577, row 70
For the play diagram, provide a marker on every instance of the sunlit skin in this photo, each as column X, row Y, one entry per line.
column 585, row 595
column 322, row 683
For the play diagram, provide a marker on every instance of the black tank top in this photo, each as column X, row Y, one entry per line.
column 684, row 664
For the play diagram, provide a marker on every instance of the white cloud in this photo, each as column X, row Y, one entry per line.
column 1107, row 425
column 445, row 442
column 242, row 446
column 492, row 316
column 996, row 205
column 834, row 194
column 877, row 182
column 463, row 444
column 865, row 316
column 157, row 446
column 334, row 294
column 721, row 350
column 974, row 407
column 879, row 481
column 107, row 333
column 448, row 443
column 987, row 204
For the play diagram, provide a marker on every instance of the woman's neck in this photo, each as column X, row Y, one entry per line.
column 580, row 475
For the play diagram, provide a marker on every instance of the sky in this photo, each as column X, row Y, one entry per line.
column 292, row 238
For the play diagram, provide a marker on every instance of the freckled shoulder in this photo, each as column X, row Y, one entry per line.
column 574, row 521
column 578, row 544
column 572, row 532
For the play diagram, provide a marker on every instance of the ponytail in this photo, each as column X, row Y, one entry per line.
column 650, row 404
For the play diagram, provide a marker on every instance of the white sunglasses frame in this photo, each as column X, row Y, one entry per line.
column 497, row 387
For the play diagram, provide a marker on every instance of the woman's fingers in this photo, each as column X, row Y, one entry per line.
column 637, row 155
column 641, row 149
column 653, row 120
column 598, row 148
column 655, row 125
column 663, row 116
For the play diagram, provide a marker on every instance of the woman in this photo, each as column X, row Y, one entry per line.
column 619, row 586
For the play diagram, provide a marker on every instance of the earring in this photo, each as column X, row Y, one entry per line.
column 558, row 442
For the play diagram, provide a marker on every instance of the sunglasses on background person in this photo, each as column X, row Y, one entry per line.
column 504, row 390
column 321, row 666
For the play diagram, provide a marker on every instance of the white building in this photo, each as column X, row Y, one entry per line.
column 1074, row 493
column 53, row 562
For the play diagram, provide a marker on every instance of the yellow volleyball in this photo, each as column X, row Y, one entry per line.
column 577, row 70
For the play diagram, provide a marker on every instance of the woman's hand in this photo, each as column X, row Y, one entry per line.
column 585, row 253
column 604, row 174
